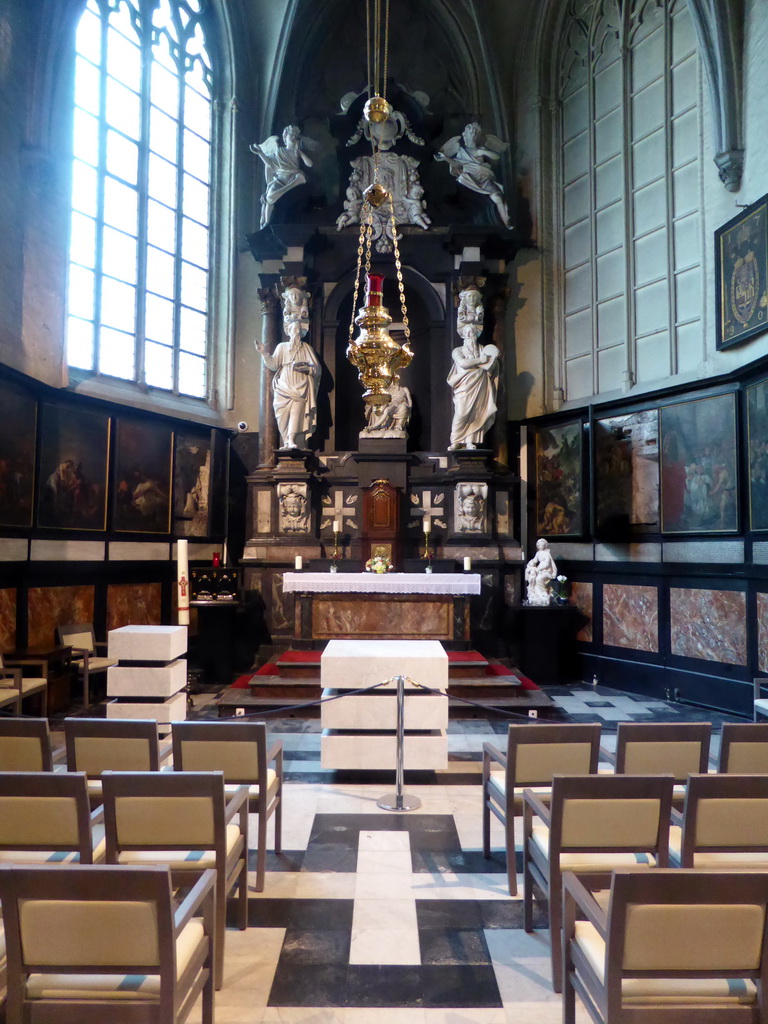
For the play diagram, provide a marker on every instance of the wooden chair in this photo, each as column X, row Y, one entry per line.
column 239, row 749
column 96, row 745
column 25, row 745
column 682, row 947
column 45, row 817
column 744, row 748
column 654, row 748
column 105, row 944
column 595, row 823
column 724, row 825
column 182, row 820
column 12, row 678
column 80, row 637
column 760, row 703
column 534, row 754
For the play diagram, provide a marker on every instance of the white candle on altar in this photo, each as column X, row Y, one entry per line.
column 182, row 581
column 427, row 524
column 337, row 526
column 467, row 563
column 298, row 562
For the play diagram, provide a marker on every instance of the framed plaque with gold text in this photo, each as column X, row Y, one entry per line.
column 741, row 274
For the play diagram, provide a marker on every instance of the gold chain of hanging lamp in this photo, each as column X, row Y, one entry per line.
column 377, row 356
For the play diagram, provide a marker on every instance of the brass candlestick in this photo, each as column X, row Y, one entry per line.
column 335, row 556
column 427, row 554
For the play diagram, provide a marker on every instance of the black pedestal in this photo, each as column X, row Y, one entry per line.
column 543, row 638
column 215, row 647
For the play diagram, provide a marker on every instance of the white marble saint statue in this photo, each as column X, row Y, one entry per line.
column 389, row 420
column 283, row 160
column 470, row 158
column 474, row 378
column 538, row 573
column 297, row 374
column 471, row 310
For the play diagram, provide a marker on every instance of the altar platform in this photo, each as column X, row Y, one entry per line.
column 387, row 606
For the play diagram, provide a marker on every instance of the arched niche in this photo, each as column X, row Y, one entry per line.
column 425, row 377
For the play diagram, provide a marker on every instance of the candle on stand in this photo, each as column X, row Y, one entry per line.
column 182, row 578
column 337, row 526
column 427, row 524
column 298, row 562
column 467, row 563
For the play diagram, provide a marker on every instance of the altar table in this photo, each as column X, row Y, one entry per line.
column 372, row 606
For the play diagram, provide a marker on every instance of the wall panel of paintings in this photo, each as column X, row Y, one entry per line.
column 559, row 462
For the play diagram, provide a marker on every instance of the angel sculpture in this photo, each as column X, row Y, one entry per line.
column 282, row 164
column 469, row 157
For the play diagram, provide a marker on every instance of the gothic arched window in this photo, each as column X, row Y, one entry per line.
column 630, row 230
column 139, row 245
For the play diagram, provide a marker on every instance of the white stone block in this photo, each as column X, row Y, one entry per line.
column 140, row 681
column 368, row 752
column 350, row 664
column 379, row 711
column 172, row 710
column 147, row 643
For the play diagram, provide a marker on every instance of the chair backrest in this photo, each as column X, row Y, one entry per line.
column 725, row 813
column 650, row 748
column 238, row 749
column 537, row 752
column 25, row 745
column 713, row 924
column 87, row 920
column 46, row 811
column 744, row 748
column 163, row 811
column 611, row 813
column 96, row 745
column 79, row 634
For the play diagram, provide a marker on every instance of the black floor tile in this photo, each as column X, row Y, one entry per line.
column 449, row 914
column 461, row 985
column 453, row 946
column 327, row 946
column 299, row 984
column 385, row 985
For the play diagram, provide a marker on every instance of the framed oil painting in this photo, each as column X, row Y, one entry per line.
column 741, row 273
column 17, row 455
column 699, row 472
column 559, row 473
column 627, row 474
column 757, row 437
column 143, row 466
column 72, row 474
column 192, row 479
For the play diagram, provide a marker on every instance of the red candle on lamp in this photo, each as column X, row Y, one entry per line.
column 374, row 291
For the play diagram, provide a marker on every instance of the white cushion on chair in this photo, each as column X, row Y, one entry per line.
column 98, row 664
column 589, row 861
column 115, row 986
column 179, row 860
column 662, row 991
column 253, row 791
column 762, row 705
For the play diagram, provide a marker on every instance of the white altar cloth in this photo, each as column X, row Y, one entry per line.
column 457, row 583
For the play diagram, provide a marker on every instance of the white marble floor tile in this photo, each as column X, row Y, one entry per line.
column 479, row 1015
column 384, row 913
column 385, row 946
column 384, row 862
column 325, row 885
column 383, row 840
column 384, row 1015
column 376, row 887
column 277, row 885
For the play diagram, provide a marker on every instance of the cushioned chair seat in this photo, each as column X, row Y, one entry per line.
column 28, row 684
column 592, row 861
column 254, row 790
column 498, row 782
column 665, row 991
column 115, row 986
column 95, row 664
column 180, row 859
column 2, row 944
column 48, row 857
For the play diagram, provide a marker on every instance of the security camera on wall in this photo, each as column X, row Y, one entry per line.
column 242, row 427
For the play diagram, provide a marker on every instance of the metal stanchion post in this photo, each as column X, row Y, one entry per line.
column 398, row 801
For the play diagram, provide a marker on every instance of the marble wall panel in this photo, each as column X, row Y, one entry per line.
column 709, row 624
column 7, row 619
column 338, row 616
column 581, row 596
column 762, row 633
column 50, row 607
column 631, row 617
column 134, row 604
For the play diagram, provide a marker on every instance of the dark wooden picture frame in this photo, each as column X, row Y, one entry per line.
column 192, row 484
column 558, row 458
column 18, row 440
column 626, row 474
column 699, row 466
column 741, row 275
column 143, row 475
column 757, row 454
column 73, row 468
